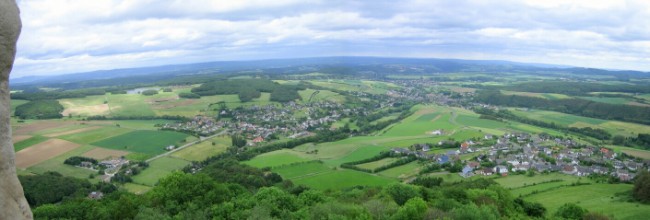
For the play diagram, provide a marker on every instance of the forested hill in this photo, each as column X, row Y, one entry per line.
column 363, row 66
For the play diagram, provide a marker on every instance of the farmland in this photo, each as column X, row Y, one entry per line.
column 143, row 141
column 203, row 150
column 157, row 169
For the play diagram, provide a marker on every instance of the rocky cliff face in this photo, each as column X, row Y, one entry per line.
column 12, row 199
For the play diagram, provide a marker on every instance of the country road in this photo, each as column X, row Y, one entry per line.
column 184, row 146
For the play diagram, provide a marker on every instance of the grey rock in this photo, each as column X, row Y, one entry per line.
column 13, row 204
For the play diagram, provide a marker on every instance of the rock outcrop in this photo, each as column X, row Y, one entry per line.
column 13, row 204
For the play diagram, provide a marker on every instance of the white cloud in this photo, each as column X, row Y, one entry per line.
column 61, row 36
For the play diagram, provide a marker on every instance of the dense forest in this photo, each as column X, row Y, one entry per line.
column 40, row 109
column 630, row 113
column 575, row 88
column 249, row 89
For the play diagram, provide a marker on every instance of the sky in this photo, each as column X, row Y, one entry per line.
column 69, row 36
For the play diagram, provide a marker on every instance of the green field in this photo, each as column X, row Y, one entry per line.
column 136, row 188
column 402, row 172
column 595, row 197
column 159, row 168
column 92, row 136
column 276, row 158
column 143, row 141
column 343, row 179
column 323, row 95
column 29, row 142
column 375, row 164
column 302, row 170
column 203, row 150
column 608, row 100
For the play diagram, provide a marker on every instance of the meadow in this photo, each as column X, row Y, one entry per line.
column 143, row 141
column 157, row 169
column 204, row 149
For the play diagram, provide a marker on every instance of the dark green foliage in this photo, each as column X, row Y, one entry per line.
column 630, row 113
column 52, row 187
column 505, row 114
column 414, row 208
column 189, row 95
column 230, row 171
column 570, row 211
column 641, row 189
column 428, row 182
column 178, row 191
column 249, row 89
column 238, row 141
column 576, row 88
column 76, row 160
column 401, row 193
column 41, row 109
column 150, row 92
column 52, row 95
column 532, row 209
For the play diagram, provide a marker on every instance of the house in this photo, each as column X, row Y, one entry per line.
column 487, row 171
column 501, row 169
column 170, row 147
column 86, row 164
column 443, row 159
column 403, row 151
column 569, row 169
column 426, row 148
column 474, row 164
column 95, row 195
column 259, row 139
column 488, row 137
column 437, row 132
column 467, row 172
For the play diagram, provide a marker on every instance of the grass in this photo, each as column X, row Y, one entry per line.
column 323, row 95
column 402, row 172
column 276, row 158
column 141, row 124
column 340, row 179
column 302, row 170
column 375, row 164
column 29, row 142
column 595, row 197
column 643, row 154
column 56, row 164
column 159, row 168
column 203, row 150
column 136, row 188
column 608, row 100
column 516, row 181
column 94, row 135
column 143, row 141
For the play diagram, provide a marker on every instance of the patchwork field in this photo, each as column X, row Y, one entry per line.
column 42, row 152
column 103, row 153
column 143, row 141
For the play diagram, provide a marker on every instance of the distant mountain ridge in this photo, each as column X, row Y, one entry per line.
column 343, row 63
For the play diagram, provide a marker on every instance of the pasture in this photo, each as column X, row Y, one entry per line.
column 602, row 198
column 276, row 158
column 613, row 127
column 204, row 149
column 143, row 141
column 159, row 168
column 29, row 142
column 340, row 179
column 103, row 153
column 302, row 170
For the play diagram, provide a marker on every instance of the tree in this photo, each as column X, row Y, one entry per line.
column 570, row 211
column 414, row 208
column 618, row 140
column 641, row 189
column 401, row 193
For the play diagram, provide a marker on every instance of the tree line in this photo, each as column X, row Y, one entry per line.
column 249, row 89
column 587, row 108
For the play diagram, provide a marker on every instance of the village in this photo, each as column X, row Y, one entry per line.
column 523, row 153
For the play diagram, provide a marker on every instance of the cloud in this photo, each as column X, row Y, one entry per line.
column 63, row 36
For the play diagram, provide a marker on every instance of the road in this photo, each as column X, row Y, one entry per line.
column 184, row 146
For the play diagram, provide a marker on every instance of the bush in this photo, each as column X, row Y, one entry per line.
column 189, row 95
column 150, row 92
column 570, row 211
